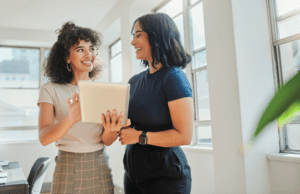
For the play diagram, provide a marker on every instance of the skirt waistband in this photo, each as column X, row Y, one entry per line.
column 64, row 153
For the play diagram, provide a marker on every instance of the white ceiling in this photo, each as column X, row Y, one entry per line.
column 51, row 14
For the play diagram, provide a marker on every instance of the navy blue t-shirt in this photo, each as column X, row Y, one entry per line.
column 150, row 94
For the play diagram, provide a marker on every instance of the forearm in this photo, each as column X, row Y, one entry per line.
column 108, row 137
column 169, row 138
column 55, row 132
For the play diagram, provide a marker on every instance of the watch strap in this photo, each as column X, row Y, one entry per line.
column 144, row 133
column 143, row 138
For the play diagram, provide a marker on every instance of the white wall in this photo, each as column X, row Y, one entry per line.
column 256, row 87
column 284, row 174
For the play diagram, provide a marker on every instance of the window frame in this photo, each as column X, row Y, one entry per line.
column 191, row 73
column 111, row 57
column 41, row 62
column 277, row 64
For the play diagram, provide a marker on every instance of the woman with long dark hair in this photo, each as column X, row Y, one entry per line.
column 82, row 162
column 160, row 110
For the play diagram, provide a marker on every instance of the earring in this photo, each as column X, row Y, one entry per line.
column 69, row 67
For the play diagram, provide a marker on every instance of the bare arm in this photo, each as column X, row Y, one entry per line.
column 182, row 111
column 50, row 132
column 108, row 137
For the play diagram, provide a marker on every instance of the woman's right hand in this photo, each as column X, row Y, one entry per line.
column 74, row 108
column 112, row 124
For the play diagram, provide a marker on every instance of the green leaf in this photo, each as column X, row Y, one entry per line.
column 290, row 114
column 286, row 99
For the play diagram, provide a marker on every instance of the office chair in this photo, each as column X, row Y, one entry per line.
column 37, row 175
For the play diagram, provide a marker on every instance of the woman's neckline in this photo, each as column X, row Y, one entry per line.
column 71, row 85
column 151, row 74
column 77, row 82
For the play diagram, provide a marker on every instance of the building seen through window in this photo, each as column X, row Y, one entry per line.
column 19, row 67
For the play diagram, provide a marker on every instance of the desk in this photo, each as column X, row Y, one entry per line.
column 16, row 181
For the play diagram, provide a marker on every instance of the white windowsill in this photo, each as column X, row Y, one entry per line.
column 285, row 157
column 19, row 142
column 197, row 149
column 19, row 136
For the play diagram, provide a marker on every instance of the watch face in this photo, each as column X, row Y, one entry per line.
column 143, row 140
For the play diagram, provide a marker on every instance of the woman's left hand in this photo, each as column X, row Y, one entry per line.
column 129, row 136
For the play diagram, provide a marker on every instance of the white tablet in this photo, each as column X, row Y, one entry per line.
column 98, row 97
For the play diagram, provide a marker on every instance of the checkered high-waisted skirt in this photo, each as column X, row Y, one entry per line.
column 84, row 173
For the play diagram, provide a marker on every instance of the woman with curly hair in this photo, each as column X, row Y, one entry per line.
column 82, row 162
column 160, row 110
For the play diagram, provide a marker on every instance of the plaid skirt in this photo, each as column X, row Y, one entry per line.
column 82, row 173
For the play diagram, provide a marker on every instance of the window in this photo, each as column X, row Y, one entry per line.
column 188, row 16
column 285, row 27
column 174, row 9
column 199, row 74
column 116, row 61
column 19, row 67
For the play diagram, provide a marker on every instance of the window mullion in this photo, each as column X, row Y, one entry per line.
column 177, row 15
column 288, row 15
column 42, row 61
column 287, row 39
column 271, row 13
column 160, row 6
column 199, row 69
column 116, row 54
column 195, row 96
column 202, row 123
column 199, row 50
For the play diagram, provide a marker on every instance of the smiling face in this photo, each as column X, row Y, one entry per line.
column 82, row 56
column 141, row 44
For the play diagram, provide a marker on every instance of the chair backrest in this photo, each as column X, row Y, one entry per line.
column 37, row 175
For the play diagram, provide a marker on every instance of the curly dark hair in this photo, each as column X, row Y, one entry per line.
column 70, row 34
column 164, row 40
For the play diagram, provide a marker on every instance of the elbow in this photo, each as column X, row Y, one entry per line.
column 43, row 141
column 106, row 143
column 187, row 139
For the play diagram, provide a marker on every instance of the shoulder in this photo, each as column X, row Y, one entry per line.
column 175, row 73
column 137, row 76
column 51, row 86
column 176, row 84
column 175, row 78
column 47, row 86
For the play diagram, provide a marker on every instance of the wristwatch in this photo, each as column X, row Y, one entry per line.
column 143, row 138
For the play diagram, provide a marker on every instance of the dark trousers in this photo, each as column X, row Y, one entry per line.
column 155, row 170
column 163, row 185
